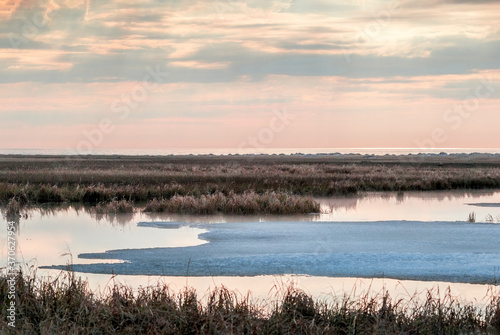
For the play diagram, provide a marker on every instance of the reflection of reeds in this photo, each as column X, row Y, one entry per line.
column 489, row 218
column 13, row 207
column 65, row 305
column 247, row 203
column 114, row 207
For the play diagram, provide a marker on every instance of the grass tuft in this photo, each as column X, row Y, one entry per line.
column 65, row 305
column 247, row 203
column 114, row 207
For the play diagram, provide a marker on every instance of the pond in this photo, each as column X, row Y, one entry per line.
column 409, row 236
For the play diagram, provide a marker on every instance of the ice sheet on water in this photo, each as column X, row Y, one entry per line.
column 450, row 251
column 485, row 204
column 162, row 224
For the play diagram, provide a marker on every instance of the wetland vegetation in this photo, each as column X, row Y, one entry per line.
column 195, row 183
column 65, row 305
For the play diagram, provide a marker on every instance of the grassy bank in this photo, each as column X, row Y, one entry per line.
column 93, row 180
column 66, row 306
column 247, row 203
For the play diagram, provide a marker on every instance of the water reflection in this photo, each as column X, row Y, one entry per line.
column 367, row 206
column 267, row 289
column 51, row 235
column 56, row 235
column 411, row 206
column 46, row 232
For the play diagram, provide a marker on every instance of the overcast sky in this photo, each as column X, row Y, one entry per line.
column 249, row 73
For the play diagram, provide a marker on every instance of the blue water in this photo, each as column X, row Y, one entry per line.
column 449, row 251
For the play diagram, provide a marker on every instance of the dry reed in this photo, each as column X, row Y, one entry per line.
column 247, row 203
column 65, row 305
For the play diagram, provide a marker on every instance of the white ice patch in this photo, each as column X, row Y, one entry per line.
column 162, row 224
column 450, row 251
column 485, row 204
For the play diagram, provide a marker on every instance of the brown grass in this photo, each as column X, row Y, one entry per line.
column 248, row 203
column 13, row 208
column 65, row 305
column 96, row 179
column 114, row 207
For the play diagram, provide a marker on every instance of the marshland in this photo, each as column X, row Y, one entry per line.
column 241, row 184
column 207, row 216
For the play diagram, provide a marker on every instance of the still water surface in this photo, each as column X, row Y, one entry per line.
column 58, row 235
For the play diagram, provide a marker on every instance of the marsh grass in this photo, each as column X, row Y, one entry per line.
column 114, row 207
column 96, row 179
column 65, row 305
column 248, row 203
column 215, row 184
column 488, row 218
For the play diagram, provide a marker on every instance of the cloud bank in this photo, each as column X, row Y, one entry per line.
column 357, row 74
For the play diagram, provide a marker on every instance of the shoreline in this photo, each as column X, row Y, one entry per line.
column 475, row 158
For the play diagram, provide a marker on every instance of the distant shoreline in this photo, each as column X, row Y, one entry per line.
column 340, row 158
column 247, row 151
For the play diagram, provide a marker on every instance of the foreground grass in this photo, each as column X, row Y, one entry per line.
column 67, row 306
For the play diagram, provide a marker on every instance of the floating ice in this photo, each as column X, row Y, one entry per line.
column 449, row 251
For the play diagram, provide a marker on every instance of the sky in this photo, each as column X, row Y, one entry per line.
column 156, row 74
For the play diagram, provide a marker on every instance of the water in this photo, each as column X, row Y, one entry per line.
column 266, row 289
column 415, row 206
column 57, row 236
column 269, row 151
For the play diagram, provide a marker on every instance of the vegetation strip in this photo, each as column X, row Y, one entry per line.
column 93, row 180
column 248, row 203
